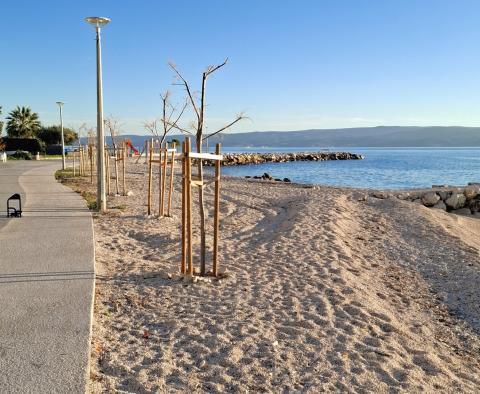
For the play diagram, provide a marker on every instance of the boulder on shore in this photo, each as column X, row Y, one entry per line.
column 430, row 199
column 459, row 200
column 456, row 201
column 463, row 211
column 440, row 205
column 381, row 195
column 471, row 191
column 404, row 196
column 444, row 194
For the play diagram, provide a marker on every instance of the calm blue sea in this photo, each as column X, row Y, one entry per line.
column 382, row 168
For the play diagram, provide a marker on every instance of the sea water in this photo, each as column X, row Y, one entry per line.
column 382, row 168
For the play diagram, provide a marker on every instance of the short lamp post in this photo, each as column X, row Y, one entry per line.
column 60, row 105
column 98, row 22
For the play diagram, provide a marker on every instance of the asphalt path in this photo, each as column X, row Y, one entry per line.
column 46, row 283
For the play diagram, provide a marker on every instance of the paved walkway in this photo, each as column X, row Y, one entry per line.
column 46, row 283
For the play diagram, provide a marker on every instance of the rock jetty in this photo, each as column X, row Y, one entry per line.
column 235, row 159
column 460, row 200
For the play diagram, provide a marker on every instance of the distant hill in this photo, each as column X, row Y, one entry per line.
column 381, row 136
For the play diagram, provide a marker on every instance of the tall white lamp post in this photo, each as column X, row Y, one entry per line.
column 60, row 105
column 99, row 22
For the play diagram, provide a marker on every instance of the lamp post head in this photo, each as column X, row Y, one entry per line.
column 97, row 21
column 60, row 103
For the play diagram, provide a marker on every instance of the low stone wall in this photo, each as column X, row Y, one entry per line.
column 234, row 159
column 460, row 200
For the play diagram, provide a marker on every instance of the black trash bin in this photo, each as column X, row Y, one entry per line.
column 12, row 211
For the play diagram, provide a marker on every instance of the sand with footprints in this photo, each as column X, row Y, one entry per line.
column 323, row 291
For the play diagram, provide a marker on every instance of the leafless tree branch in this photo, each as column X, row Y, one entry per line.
column 212, row 69
column 187, row 88
column 174, row 124
column 152, row 127
column 114, row 127
column 237, row 119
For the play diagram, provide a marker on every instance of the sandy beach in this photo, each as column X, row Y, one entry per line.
column 324, row 290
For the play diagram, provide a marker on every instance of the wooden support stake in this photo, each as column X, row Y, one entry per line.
column 107, row 169
column 164, row 179
column 73, row 154
column 115, row 154
column 216, row 217
column 91, row 163
column 184, row 212
column 80, row 160
column 124, row 156
column 147, row 154
column 149, row 199
column 189, row 207
column 85, row 160
column 160, row 178
column 170, row 190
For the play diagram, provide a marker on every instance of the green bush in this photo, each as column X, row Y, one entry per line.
column 53, row 150
column 22, row 155
column 31, row 145
column 52, row 135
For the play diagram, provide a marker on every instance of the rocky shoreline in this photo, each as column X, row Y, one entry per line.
column 459, row 200
column 267, row 177
column 234, row 159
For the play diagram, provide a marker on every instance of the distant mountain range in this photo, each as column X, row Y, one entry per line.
column 381, row 136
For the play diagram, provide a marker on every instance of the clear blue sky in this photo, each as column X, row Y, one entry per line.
column 293, row 65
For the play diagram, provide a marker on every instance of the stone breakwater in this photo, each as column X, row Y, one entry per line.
column 235, row 159
column 460, row 200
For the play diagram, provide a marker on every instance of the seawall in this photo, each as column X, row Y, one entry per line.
column 234, row 159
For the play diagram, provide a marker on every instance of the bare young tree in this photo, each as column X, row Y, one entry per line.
column 169, row 120
column 91, row 140
column 114, row 127
column 80, row 132
column 198, row 106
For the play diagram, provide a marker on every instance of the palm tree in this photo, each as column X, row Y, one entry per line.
column 1, row 122
column 22, row 123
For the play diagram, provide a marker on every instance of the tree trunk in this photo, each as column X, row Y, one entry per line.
column 201, row 210
column 116, row 165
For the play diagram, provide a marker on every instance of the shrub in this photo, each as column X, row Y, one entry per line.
column 22, row 155
column 31, row 145
column 53, row 150
column 52, row 135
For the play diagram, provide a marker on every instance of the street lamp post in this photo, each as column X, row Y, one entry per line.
column 99, row 22
column 60, row 105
